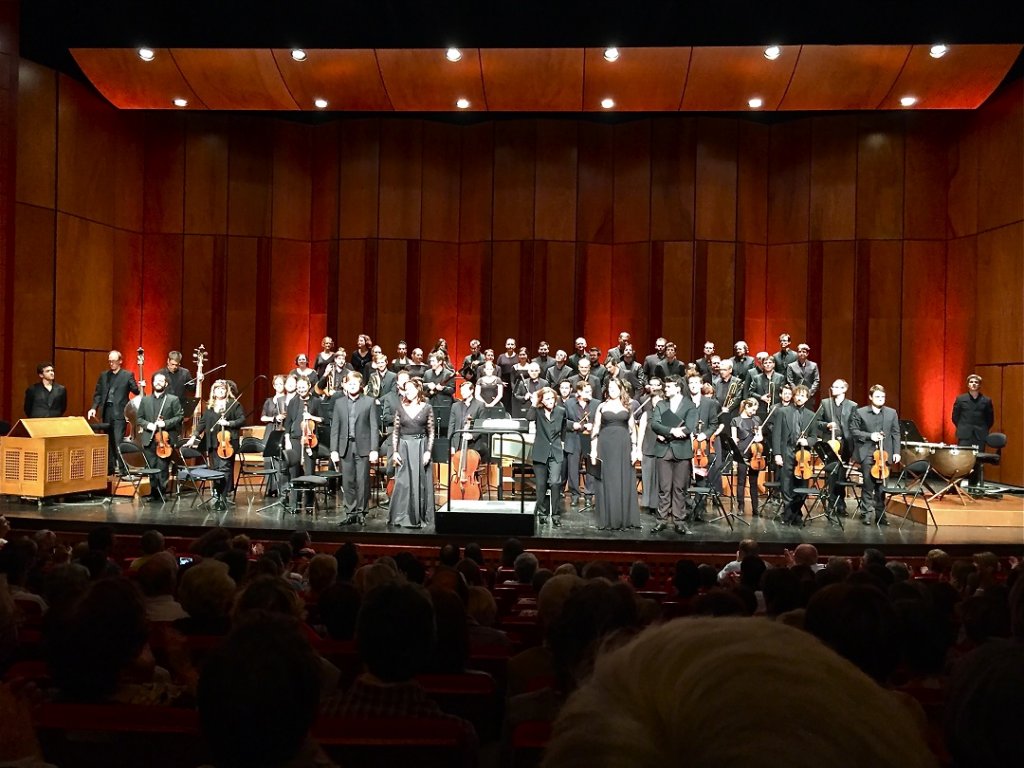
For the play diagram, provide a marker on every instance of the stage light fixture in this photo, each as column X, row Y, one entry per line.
column 462, row 103
column 938, row 50
column 772, row 52
column 180, row 102
column 453, row 54
column 320, row 103
column 298, row 54
column 755, row 103
column 908, row 101
column 146, row 54
column 611, row 54
column 607, row 103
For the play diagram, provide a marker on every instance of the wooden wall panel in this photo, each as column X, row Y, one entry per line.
column 555, row 186
column 504, row 293
column 561, row 293
column 720, row 299
column 477, row 194
column 923, row 343
column 673, row 178
column 1000, row 304
column 716, row 179
column 69, row 368
column 471, row 260
column 37, row 135
column 162, row 293
column 752, row 183
column 128, row 294
column 356, row 294
column 789, row 180
column 127, row 172
column 400, row 179
column 359, row 178
column 240, row 309
column 962, row 178
column 442, row 174
column 960, row 303
column 251, row 177
column 787, row 294
column 85, row 284
column 880, row 165
column 837, row 312
column 514, row 179
column 319, row 272
column 1001, row 158
column 924, row 213
column 833, row 196
column 33, row 344
column 632, row 182
column 325, row 169
column 164, row 200
column 880, row 265
column 595, row 196
column 392, row 322
column 1010, row 412
column 677, row 295
column 206, row 175
column 199, row 283
column 632, row 289
column 594, row 272
column 292, row 189
column 753, row 260
column 438, row 291
column 289, row 313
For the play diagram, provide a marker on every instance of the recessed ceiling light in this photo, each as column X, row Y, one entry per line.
column 611, row 54
column 908, row 101
column 298, row 54
column 146, row 54
column 755, row 103
column 320, row 103
column 462, row 103
column 938, row 51
column 607, row 103
column 180, row 102
column 453, row 54
column 772, row 52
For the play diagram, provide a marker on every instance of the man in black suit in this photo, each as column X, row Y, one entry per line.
column 674, row 421
column 543, row 359
column 464, row 413
column 615, row 353
column 472, row 361
column 581, row 411
column 704, row 363
column 630, row 370
column 113, row 390
column 585, row 374
column 793, row 429
column 178, row 377
column 804, row 372
column 548, row 454
column 46, row 398
column 973, row 416
column 580, row 353
column 764, row 386
column 671, row 365
column 785, row 355
column 873, row 425
column 560, row 370
column 651, row 361
column 834, row 418
column 160, row 411
column 354, row 436
column 380, row 380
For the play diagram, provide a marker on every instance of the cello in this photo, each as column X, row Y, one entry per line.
column 466, row 486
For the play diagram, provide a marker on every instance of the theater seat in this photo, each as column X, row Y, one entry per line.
column 393, row 741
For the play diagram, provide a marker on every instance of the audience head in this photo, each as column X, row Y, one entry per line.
column 411, row 567
column 525, row 566
column 686, row 579
column 481, row 606
column 151, row 542
column 268, row 594
column 207, row 590
column 390, row 655
column 339, row 607
column 805, row 554
column 449, row 554
column 553, row 595
column 600, row 569
column 510, row 550
column 101, row 539
column 752, row 568
column 639, row 574
column 475, row 553
column 322, row 572
column 347, row 556
column 158, row 575
column 540, row 578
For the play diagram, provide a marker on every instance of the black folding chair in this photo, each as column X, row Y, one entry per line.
column 247, row 447
column 133, row 473
column 909, row 486
column 198, row 476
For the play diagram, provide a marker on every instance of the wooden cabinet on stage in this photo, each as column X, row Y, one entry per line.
column 52, row 457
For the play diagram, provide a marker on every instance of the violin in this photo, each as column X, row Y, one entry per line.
column 757, row 460
column 700, row 448
column 803, row 460
column 309, row 438
column 466, row 486
column 162, row 437
column 224, row 448
column 880, row 459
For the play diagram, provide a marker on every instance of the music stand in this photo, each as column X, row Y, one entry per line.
column 273, row 449
column 736, row 455
column 833, row 468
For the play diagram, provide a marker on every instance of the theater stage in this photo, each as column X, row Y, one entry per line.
column 986, row 522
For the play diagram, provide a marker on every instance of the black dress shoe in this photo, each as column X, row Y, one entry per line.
column 556, row 522
column 542, row 520
column 882, row 521
column 680, row 529
column 352, row 520
column 659, row 528
column 865, row 521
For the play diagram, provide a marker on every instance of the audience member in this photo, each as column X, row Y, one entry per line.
column 339, row 606
column 158, row 578
column 525, row 566
column 639, row 574
column 510, row 550
column 347, row 556
column 746, row 547
column 206, row 593
column 150, row 543
column 449, row 554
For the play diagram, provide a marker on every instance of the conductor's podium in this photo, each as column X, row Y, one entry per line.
column 52, row 457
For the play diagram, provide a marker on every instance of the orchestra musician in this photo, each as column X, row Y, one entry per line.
column 489, row 391
column 559, row 371
column 647, row 440
column 519, row 394
column 439, row 384
column 548, row 454
column 615, row 353
column 179, row 378
column 834, row 422
column 804, row 371
column 325, row 357
column 631, row 371
column 525, row 389
column 792, row 430
column 362, row 356
column 301, row 417
column 875, row 427
column 580, row 410
column 355, row 426
column 465, row 413
column 472, row 361
column 674, row 422
column 579, row 353
column 332, row 374
column 302, row 369
column 114, row 388
column 764, row 386
column 46, row 398
column 785, row 355
column 381, row 380
column 596, row 369
column 651, row 361
column 507, row 361
column 585, row 374
column 973, row 416
column 222, row 413
column 275, row 408
column 387, row 407
column 671, row 365
column 704, row 363
column 543, row 359
column 159, row 412
column 746, row 431
column 402, row 359
column 741, row 361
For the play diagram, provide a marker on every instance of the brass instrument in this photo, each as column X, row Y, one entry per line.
column 330, row 378
column 373, row 386
column 731, row 395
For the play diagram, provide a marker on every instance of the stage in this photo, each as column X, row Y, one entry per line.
column 1002, row 528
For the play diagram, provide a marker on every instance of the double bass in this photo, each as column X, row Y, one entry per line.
column 199, row 354
column 466, row 485
column 131, row 411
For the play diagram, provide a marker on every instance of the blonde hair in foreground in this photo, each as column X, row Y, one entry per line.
column 731, row 692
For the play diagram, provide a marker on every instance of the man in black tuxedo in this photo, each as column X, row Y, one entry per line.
column 585, row 374
column 615, row 353
column 674, row 421
column 973, row 416
column 792, row 429
column 178, row 377
column 804, row 372
column 113, row 390
column 560, row 370
column 548, row 454
column 651, row 361
column 354, row 438
column 160, row 411
column 46, row 398
column 381, row 381
column 764, row 386
column 581, row 411
column 871, row 425
column 671, row 365
column 785, row 355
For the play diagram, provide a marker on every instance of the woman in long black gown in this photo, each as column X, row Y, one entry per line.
column 412, row 502
column 613, row 444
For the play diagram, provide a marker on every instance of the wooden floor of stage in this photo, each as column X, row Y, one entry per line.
column 578, row 529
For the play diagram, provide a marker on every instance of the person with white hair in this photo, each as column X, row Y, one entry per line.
column 685, row 693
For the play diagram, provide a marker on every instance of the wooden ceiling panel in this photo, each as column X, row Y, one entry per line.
column 128, row 82
column 423, row 80
column 844, row 77
column 727, row 78
column 533, row 79
column 640, row 80
column 962, row 79
column 349, row 79
column 234, row 78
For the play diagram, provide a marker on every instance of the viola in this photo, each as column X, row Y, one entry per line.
column 309, row 438
column 804, row 464
column 757, row 460
column 880, row 458
column 164, row 449
column 466, row 485
column 700, row 448
column 224, row 448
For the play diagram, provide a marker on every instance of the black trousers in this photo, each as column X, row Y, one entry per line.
column 792, row 505
column 157, row 484
column 355, row 480
column 673, row 482
column 548, row 475
column 745, row 476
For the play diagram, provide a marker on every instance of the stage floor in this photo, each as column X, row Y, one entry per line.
column 579, row 527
